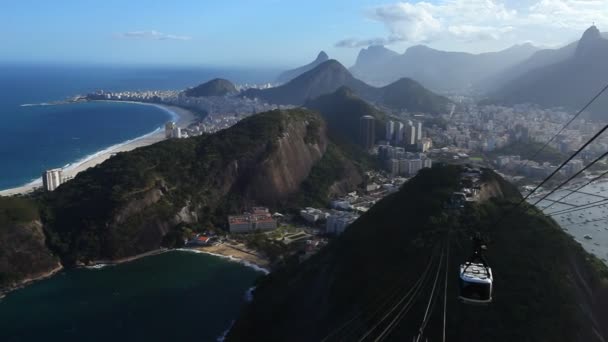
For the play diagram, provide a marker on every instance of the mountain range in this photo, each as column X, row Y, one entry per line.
column 289, row 75
column 440, row 71
column 329, row 76
column 567, row 77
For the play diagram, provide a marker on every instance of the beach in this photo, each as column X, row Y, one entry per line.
column 181, row 116
column 238, row 253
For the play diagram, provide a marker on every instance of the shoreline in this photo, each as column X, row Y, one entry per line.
column 226, row 252
column 182, row 116
column 98, row 264
column 257, row 263
column 30, row 280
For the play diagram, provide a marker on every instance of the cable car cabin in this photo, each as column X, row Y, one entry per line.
column 475, row 283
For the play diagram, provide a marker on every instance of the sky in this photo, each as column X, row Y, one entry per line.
column 277, row 33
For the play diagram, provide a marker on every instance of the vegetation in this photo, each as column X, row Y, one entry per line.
column 315, row 189
column 17, row 210
column 215, row 87
column 536, row 265
column 23, row 252
column 407, row 94
column 128, row 204
column 342, row 111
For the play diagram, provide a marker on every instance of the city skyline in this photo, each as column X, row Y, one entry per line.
column 275, row 33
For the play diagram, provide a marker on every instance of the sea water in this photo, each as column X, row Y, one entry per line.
column 175, row 296
column 40, row 137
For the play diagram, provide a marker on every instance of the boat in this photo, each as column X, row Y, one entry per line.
column 588, row 237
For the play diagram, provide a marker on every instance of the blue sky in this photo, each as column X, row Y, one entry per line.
column 277, row 33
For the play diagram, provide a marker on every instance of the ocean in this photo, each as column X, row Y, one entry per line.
column 36, row 138
column 589, row 227
column 175, row 296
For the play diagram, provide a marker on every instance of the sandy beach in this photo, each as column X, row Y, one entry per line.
column 183, row 119
column 238, row 253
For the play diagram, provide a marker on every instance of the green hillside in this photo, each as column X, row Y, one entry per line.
column 546, row 287
column 129, row 204
column 215, row 87
column 342, row 111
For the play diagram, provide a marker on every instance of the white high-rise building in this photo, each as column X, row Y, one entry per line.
column 410, row 134
column 390, row 130
column 399, row 130
column 51, row 179
column 169, row 128
column 177, row 133
column 418, row 131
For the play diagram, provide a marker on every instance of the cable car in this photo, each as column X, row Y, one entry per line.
column 475, row 276
column 475, row 283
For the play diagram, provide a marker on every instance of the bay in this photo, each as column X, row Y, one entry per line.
column 168, row 297
column 36, row 138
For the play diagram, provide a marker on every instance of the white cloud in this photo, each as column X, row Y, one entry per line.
column 481, row 20
column 152, row 35
column 569, row 13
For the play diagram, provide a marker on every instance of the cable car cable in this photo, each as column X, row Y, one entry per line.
column 579, row 207
column 569, row 158
column 602, row 156
column 390, row 299
column 404, row 311
column 413, row 290
column 577, row 189
column 427, row 316
column 445, row 288
column 379, row 303
column 567, row 124
column 595, row 136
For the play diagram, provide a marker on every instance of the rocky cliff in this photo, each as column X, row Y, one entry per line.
column 24, row 255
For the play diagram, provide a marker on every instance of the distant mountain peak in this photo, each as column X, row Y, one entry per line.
column 591, row 33
column 589, row 41
column 293, row 73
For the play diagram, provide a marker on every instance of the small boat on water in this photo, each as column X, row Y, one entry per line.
column 588, row 237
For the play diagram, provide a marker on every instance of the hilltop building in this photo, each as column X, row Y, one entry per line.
column 51, row 179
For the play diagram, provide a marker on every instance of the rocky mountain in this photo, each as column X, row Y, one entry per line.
column 289, row 75
column 215, row 87
column 138, row 201
column 370, row 60
column 566, row 77
column 546, row 287
column 440, row 71
column 539, row 59
column 24, row 254
column 329, row 76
